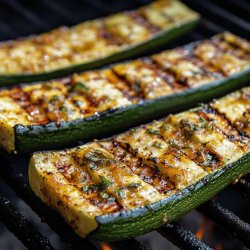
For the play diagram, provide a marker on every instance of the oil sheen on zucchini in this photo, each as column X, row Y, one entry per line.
column 93, row 43
column 137, row 181
column 95, row 103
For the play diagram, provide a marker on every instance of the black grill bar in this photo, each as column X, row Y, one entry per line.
column 99, row 5
column 211, row 26
column 6, row 30
column 244, row 188
column 227, row 219
column 25, row 13
column 219, row 15
column 243, row 5
column 127, row 244
column 182, row 238
column 21, row 227
column 17, row 182
column 57, row 8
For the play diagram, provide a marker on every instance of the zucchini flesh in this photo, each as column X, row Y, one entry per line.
column 137, row 181
column 95, row 103
column 93, row 43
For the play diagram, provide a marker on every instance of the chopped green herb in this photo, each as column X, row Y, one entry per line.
column 54, row 99
column 210, row 160
column 90, row 188
column 172, row 142
column 158, row 144
column 202, row 119
column 79, row 103
column 92, row 166
column 137, row 87
column 121, row 193
column 105, row 182
column 85, row 188
column 63, row 108
column 186, row 146
column 166, row 127
column 97, row 157
column 196, row 72
column 153, row 131
column 206, row 124
column 111, row 199
column 133, row 185
column 189, row 126
column 104, row 195
column 79, row 87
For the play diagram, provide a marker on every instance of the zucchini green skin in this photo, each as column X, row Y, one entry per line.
column 158, row 40
column 38, row 137
column 127, row 224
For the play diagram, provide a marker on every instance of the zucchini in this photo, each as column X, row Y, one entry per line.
column 94, row 43
column 135, row 182
column 96, row 103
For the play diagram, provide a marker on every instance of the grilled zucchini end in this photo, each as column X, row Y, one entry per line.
column 50, row 186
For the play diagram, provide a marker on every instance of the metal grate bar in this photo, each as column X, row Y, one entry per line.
column 240, row 8
column 211, row 26
column 57, row 8
column 182, row 238
column 6, row 30
column 227, row 219
column 22, row 228
column 241, row 4
column 244, row 188
column 218, row 14
column 15, row 5
column 127, row 244
column 17, row 182
column 100, row 6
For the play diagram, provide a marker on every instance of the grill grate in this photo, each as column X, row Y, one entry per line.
column 227, row 219
column 21, row 17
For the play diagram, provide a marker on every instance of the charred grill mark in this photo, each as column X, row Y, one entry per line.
column 134, row 91
column 169, row 74
column 121, row 85
column 234, row 48
column 224, row 48
column 148, row 63
column 199, row 153
column 73, row 95
column 167, row 77
column 91, row 191
column 78, row 89
column 38, row 114
column 142, row 89
column 139, row 18
column 205, row 69
column 147, row 173
column 109, row 37
column 231, row 131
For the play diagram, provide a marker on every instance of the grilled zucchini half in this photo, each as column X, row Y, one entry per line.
column 92, row 104
column 93, row 43
column 135, row 182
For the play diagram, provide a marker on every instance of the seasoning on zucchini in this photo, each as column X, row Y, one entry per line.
column 92, row 104
column 93, row 43
column 137, row 181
